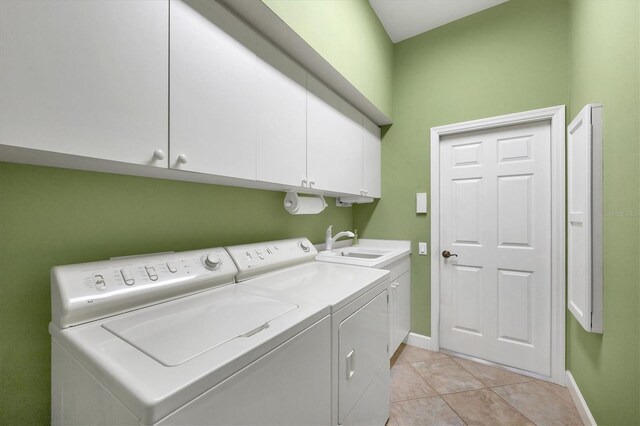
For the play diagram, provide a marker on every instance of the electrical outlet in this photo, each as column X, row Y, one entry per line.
column 422, row 249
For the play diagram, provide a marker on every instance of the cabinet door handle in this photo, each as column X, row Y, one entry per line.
column 158, row 154
column 304, row 183
column 311, row 183
column 395, row 285
column 351, row 364
column 182, row 159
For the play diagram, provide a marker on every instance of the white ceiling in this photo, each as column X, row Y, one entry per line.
column 406, row 18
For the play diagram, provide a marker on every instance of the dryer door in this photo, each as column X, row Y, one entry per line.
column 363, row 342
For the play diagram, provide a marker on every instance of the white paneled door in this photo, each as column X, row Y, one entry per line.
column 495, row 216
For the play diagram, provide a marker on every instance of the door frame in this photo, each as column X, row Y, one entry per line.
column 556, row 115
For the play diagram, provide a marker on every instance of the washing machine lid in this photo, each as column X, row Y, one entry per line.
column 173, row 334
column 332, row 284
column 134, row 367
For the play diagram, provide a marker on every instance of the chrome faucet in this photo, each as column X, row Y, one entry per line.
column 329, row 240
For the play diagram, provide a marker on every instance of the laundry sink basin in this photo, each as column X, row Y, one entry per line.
column 357, row 252
column 371, row 253
column 362, row 255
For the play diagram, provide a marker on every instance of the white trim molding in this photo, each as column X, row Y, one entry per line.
column 420, row 341
column 556, row 116
column 579, row 401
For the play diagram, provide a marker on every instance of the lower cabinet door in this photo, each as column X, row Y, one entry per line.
column 362, row 346
column 401, row 309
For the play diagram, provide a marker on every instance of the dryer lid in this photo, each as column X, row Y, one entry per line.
column 174, row 333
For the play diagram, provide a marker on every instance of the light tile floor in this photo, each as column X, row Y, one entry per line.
column 433, row 388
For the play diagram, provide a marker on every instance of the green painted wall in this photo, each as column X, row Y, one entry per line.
column 51, row 216
column 509, row 58
column 348, row 34
column 605, row 56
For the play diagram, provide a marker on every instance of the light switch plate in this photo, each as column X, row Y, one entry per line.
column 421, row 202
column 422, row 249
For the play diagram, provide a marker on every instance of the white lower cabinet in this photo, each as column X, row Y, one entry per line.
column 85, row 78
column 400, row 298
column 401, row 309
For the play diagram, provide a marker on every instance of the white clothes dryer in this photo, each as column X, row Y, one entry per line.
column 358, row 299
column 170, row 339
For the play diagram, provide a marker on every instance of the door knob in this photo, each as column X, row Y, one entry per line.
column 446, row 254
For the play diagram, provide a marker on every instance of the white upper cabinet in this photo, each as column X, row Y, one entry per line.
column 174, row 84
column 87, row 78
column 334, row 141
column 281, row 101
column 371, row 159
column 213, row 89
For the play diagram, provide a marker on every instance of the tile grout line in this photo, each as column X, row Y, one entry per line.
column 454, row 410
column 572, row 404
column 448, row 393
column 437, row 395
column 425, row 380
column 495, row 393
column 511, row 405
column 486, row 386
column 529, row 379
column 416, row 398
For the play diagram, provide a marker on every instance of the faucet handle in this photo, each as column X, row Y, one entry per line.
column 329, row 230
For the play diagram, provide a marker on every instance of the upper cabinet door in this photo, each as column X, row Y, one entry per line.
column 334, row 141
column 86, row 78
column 212, row 91
column 281, row 100
column 371, row 164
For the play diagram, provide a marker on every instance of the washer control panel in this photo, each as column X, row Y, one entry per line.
column 88, row 291
column 259, row 258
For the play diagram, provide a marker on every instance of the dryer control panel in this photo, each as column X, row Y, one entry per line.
column 89, row 291
column 260, row 258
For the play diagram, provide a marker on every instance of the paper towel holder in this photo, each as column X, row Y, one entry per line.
column 296, row 203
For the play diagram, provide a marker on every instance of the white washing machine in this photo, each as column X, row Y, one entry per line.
column 170, row 339
column 358, row 299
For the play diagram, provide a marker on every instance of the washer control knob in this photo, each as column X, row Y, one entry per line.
column 303, row 246
column 212, row 262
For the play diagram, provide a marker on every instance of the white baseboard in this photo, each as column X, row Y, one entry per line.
column 578, row 399
column 420, row 341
